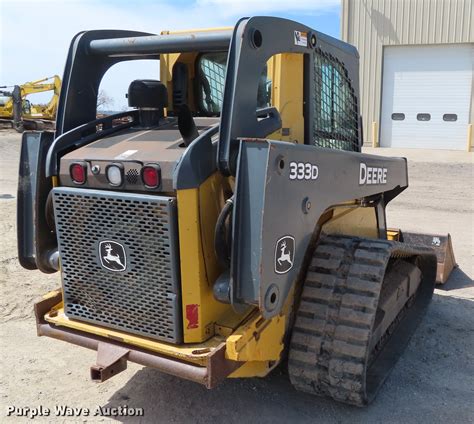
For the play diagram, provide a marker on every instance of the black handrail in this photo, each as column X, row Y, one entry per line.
column 85, row 134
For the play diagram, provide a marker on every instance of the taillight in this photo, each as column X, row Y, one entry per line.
column 114, row 174
column 78, row 172
column 151, row 175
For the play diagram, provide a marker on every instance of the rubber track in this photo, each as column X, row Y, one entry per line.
column 329, row 347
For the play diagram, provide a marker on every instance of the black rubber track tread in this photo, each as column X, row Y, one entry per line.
column 331, row 335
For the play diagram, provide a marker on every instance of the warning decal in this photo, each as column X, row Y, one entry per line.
column 301, row 38
column 192, row 316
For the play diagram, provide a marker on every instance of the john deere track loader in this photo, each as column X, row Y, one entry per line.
column 228, row 222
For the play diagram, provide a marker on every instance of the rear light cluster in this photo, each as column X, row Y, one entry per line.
column 114, row 174
column 150, row 174
column 78, row 172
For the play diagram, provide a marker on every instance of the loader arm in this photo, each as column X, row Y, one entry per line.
column 282, row 191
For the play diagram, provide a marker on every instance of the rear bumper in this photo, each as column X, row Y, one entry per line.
column 112, row 356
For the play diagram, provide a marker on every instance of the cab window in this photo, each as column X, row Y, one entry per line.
column 211, row 79
column 336, row 117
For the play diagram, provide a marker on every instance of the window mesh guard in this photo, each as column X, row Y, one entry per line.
column 336, row 117
column 213, row 91
column 212, row 69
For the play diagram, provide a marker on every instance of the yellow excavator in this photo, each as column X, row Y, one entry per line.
column 16, row 110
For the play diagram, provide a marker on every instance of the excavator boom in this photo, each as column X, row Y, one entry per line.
column 16, row 110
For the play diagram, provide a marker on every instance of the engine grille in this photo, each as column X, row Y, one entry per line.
column 144, row 297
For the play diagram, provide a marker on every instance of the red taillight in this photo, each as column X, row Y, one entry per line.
column 151, row 175
column 78, row 172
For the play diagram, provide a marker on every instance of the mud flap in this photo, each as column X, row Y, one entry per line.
column 441, row 244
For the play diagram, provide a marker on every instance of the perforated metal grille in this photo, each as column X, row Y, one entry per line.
column 132, row 176
column 144, row 298
column 336, row 115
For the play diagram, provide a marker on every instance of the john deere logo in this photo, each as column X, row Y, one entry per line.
column 284, row 254
column 112, row 255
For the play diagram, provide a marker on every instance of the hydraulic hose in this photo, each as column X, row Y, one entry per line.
column 222, row 235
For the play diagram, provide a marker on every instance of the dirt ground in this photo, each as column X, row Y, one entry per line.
column 433, row 382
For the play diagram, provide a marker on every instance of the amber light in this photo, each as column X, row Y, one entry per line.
column 151, row 175
column 78, row 172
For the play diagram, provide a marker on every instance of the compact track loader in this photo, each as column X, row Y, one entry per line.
column 228, row 222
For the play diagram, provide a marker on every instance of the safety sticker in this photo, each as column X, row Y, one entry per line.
column 301, row 38
column 192, row 316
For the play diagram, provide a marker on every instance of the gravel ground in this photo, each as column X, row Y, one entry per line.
column 433, row 382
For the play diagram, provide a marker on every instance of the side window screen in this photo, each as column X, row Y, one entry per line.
column 211, row 74
column 212, row 67
column 336, row 113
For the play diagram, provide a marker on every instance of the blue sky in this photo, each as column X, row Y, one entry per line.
column 35, row 35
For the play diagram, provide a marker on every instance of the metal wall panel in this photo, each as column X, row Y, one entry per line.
column 372, row 24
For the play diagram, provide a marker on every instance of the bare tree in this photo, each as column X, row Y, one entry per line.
column 103, row 100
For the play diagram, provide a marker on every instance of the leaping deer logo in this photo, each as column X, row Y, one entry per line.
column 284, row 254
column 284, row 257
column 112, row 256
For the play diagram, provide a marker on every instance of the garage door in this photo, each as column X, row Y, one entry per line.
column 426, row 96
